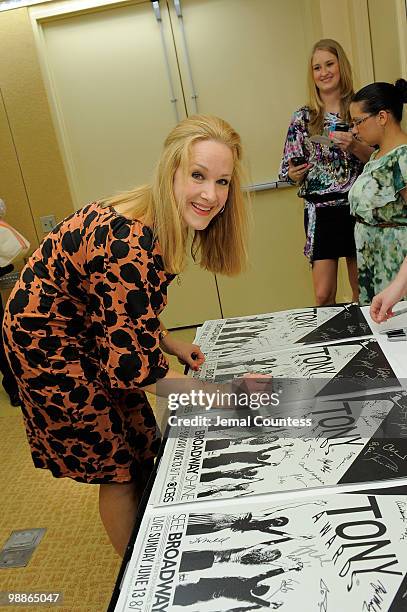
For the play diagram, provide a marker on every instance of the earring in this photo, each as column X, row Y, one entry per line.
column 221, row 210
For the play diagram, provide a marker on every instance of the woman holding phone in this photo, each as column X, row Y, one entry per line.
column 323, row 158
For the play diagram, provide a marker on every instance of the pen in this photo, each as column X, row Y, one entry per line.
column 399, row 312
column 397, row 332
column 396, row 335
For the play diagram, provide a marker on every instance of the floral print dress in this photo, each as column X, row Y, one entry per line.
column 381, row 227
column 333, row 171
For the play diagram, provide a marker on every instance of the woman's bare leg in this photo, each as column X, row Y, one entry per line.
column 118, row 508
column 353, row 277
column 324, row 276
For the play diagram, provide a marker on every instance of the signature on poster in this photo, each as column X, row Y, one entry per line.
column 326, row 465
column 346, row 459
column 390, row 448
column 285, row 586
column 375, row 603
column 402, row 507
column 323, row 589
column 372, row 454
column 383, row 460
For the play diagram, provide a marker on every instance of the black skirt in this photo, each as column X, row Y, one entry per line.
column 334, row 232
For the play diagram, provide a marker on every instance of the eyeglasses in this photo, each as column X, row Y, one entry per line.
column 357, row 122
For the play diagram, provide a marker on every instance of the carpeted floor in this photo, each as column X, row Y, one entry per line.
column 75, row 555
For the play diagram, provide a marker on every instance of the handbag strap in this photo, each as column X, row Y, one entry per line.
column 18, row 236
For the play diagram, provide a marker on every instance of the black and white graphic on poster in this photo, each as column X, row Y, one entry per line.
column 325, row 552
column 344, row 441
column 333, row 370
column 277, row 330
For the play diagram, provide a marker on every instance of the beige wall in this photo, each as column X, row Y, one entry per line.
column 33, row 179
column 12, row 186
column 373, row 33
column 387, row 43
column 278, row 274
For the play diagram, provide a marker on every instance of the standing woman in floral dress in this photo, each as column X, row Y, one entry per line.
column 379, row 197
column 326, row 173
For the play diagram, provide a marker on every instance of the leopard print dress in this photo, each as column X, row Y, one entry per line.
column 81, row 331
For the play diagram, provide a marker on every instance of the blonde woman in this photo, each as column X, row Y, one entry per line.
column 326, row 173
column 81, row 327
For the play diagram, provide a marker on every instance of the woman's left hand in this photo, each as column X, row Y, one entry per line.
column 344, row 140
column 188, row 354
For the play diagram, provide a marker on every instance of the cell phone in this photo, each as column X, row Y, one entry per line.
column 341, row 127
column 298, row 161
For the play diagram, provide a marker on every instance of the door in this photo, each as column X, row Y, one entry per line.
column 249, row 61
column 113, row 106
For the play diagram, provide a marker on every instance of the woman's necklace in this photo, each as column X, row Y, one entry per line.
column 334, row 159
column 338, row 165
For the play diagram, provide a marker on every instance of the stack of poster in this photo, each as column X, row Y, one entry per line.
column 337, row 369
column 295, row 447
column 251, row 507
column 312, row 552
column 223, row 338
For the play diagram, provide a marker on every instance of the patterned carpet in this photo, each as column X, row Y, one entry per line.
column 75, row 555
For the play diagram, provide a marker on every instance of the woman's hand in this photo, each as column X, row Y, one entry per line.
column 344, row 140
column 297, row 173
column 347, row 142
column 382, row 304
column 381, row 308
column 188, row 354
column 256, row 383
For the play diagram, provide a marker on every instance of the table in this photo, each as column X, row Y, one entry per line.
column 396, row 353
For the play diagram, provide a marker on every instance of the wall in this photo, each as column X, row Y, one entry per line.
column 34, row 179
column 12, row 186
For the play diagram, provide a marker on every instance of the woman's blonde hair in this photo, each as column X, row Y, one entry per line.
column 222, row 246
column 315, row 104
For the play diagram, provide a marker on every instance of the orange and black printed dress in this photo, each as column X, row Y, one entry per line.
column 81, row 332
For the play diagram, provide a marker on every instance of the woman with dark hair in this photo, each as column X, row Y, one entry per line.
column 378, row 198
column 325, row 171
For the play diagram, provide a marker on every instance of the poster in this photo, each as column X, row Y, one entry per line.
column 229, row 455
column 277, row 330
column 326, row 552
column 331, row 370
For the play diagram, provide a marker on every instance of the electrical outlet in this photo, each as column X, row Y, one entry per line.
column 48, row 223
